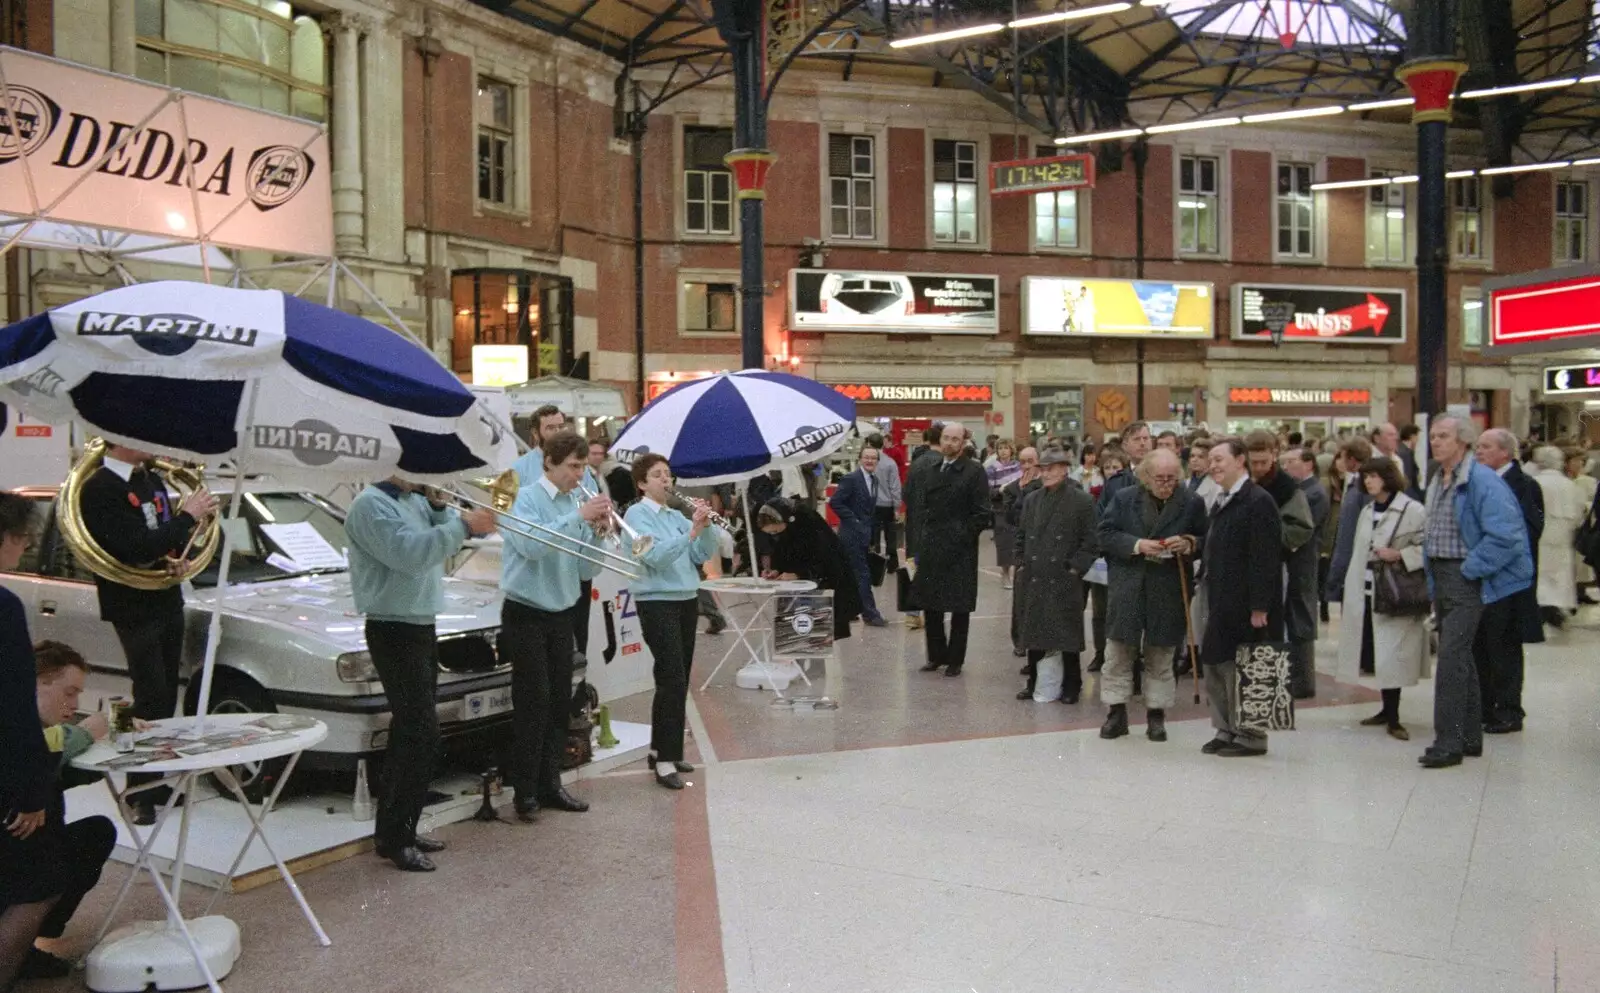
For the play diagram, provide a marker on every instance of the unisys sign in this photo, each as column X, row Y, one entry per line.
column 87, row 147
column 1547, row 311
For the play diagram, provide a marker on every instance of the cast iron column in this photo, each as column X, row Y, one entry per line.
column 742, row 24
column 1431, row 74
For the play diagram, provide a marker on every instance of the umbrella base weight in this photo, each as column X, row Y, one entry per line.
column 147, row 954
column 767, row 676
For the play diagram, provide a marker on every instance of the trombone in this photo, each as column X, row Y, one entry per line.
column 502, row 490
column 637, row 543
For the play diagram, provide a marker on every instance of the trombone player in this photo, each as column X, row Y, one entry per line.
column 541, row 583
column 128, row 512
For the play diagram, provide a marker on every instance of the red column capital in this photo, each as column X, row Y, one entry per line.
column 1432, row 83
column 750, row 167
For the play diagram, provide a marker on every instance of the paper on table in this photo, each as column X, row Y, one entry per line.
column 303, row 543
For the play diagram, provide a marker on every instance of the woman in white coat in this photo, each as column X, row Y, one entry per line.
column 1396, row 648
column 1564, row 509
column 1577, row 463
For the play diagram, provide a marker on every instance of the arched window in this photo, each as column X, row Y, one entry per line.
column 260, row 53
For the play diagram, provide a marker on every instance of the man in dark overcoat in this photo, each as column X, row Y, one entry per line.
column 1147, row 534
column 947, row 509
column 1242, row 560
column 1512, row 622
column 1056, row 547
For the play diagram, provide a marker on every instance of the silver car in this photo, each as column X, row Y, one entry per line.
column 292, row 641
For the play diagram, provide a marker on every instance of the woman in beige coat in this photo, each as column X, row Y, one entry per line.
column 1391, row 530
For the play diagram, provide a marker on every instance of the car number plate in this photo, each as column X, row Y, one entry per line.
column 486, row 703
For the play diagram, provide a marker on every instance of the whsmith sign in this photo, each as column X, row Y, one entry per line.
column 123, row 154
column 1263, row 394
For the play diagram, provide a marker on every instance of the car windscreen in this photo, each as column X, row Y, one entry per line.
column 280, row 537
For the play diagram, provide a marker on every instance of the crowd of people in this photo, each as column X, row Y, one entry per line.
column 1181, row 549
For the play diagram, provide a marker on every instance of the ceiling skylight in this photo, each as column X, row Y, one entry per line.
column 1290, row 23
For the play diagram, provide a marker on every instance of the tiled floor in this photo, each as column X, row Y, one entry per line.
column 938, row 836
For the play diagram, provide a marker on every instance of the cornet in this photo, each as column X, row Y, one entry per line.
column 637, row 543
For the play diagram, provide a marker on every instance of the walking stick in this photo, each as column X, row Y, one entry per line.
column 1188, row 624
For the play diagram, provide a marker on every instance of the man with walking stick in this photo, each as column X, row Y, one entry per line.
column 1147, row 534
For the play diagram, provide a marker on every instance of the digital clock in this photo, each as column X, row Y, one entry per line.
column 1060, row 172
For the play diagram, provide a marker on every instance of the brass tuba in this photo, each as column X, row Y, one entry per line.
column 181, row 479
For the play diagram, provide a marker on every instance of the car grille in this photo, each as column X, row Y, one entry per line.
column 468, row 653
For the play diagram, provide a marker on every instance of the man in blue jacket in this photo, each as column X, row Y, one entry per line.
column 1476, row 549
column 399, row 541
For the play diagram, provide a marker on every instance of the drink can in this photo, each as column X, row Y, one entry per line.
column 122, row 723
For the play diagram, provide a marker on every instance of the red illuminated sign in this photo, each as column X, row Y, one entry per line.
column 1544, row 313
column 909, row 392
column 1268, row 395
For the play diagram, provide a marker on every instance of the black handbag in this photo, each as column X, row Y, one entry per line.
column 905, row 591
column 877, row 567
column 1586, row 540
column 1398, row 591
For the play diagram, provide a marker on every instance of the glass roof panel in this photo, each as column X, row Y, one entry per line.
column 1318, row 23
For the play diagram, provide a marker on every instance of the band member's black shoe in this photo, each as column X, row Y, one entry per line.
column 429, row 846
column 528, row 812
column 40, row 964
column 562, row 800
column 1116, row 724
column 1157, row 728
column 651, row 760
column 953, row 670
column 671, row 781
column 932, row 667
column 411, row 860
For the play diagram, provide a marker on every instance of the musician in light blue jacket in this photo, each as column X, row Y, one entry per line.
column 669, row 609
column 540, row 581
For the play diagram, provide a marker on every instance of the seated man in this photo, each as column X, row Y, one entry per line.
column 59, row 673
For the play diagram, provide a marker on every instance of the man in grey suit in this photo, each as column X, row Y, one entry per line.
column 1303, row 597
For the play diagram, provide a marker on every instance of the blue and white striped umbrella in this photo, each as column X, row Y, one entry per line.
column 736, row 425
column 271, row 382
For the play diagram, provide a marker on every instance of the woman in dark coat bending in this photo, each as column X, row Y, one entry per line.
column 806, row 548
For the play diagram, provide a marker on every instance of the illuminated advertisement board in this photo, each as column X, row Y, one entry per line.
column 1109, row 308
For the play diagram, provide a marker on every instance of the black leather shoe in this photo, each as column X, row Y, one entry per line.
column 1070, row 699
column 952, row 671
column 1157, row 728
column 1440, row 760
column 1024, row 694
column 1098, row 663
column 670, row 781
column 1473, row 751
column 144, row 812
column 411, row 860
column 651, row 760
column 1502, row 727
column 1213, row 746
column 1380, row 719
column 527, row 813
column 427, row 845
column 40, row 964
column 1234, row 750
column 562, row 800
column 932, row 667
column 1020, row 653
column 1116, row 724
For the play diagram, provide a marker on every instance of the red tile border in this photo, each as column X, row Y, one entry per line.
column 699, row 920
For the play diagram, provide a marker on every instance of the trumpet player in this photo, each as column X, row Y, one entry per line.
column 669, row 610
column 541, row 587
column 127, row 510
column 400, row 537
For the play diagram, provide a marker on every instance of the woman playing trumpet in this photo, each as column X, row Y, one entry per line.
column 668, row 608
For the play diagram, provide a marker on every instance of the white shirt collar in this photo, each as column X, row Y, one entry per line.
column 1503, row 470
column 549, row 487
column 121, row 468
column 652, row 504
column 1237, row 486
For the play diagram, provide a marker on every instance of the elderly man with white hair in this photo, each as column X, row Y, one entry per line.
column 1564, row 509
column 1476, row 549
column 1508, row 624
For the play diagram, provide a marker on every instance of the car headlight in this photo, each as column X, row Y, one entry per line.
column 357, row 667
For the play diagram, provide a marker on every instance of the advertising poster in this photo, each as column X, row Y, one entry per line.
column 802, row 626
column 1319, row 313
column 916, row 302
column 1136, row 308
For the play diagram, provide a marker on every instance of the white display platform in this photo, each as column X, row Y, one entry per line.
column 305, row 833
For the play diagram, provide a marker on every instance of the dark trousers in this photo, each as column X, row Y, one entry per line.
column 1457, row 708
column 538, row 644
column 1497, row 654
column 86, row 844
column 885, row 527
column 951, row 652
column 1097, row 619
column 669, row 627
column 855, row 552
column 154, row 649
column 580, row 616
column 407, row 659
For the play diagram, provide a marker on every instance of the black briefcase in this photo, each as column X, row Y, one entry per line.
column 905, row 591
column 877, row 568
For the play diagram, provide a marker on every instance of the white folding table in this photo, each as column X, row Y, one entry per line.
column 753, row 596
column 160, row 952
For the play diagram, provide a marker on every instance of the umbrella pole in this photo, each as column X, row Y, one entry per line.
column 749, row 529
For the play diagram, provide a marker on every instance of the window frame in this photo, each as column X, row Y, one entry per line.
column 880, row 207
column 1219, row 202
column 1319, row 227
column 1085, row 204
column 1471, row 299
column 1557, row 216
column 1485, row 214
column 706, row 276
column 977, row 182
column 681, row 199
column 1407, row 220
column 519, row 175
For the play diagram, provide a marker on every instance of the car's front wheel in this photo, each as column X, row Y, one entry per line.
column 235, row 693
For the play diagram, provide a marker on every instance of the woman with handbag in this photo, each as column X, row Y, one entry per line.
column 1384, row 623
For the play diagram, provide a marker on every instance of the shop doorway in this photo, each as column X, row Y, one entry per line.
column 513, row 307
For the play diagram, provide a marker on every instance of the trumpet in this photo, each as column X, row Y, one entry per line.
column 502, row 490
column 694, row 503
column 637, row 543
